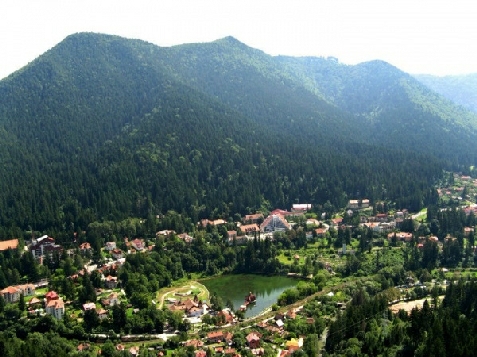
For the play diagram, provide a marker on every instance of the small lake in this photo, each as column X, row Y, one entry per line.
column 267, row 289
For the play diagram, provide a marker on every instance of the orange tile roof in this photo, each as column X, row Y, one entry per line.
column 10, row 290
column 58, row 304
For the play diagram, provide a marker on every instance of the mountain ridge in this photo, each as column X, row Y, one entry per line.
column 102, row 127
column 461, row 89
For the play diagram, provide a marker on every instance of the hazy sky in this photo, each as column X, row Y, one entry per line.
column 418, row 36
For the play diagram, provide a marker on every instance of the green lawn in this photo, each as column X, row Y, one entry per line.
column 41, row 291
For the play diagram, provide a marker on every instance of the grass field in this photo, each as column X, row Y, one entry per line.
column 192, row 286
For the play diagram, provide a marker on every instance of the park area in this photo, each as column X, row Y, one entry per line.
column 188, row 289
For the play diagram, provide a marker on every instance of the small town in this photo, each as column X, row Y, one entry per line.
column 318, row 256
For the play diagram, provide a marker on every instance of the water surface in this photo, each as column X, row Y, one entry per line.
column 267, row 289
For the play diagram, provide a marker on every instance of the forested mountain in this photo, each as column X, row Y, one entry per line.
column 394, row 108
column 461, row 89
column 102, row 127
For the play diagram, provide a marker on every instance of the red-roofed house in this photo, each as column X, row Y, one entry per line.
column 84, row 347
column 253, row 218
column 231, row 235
column 134, row 351
column 253, row 339
column 320, row 232
column 12, row 293
column 336, row 221
column 111, row 282
column 400, row 236
column 230, row 351
column 117, row 253
column 102, row 314
column 215, row 336
column 282, row 212
column 51, row 295
column 55, row 308
column 185, row 237
column 226, row 316
column 110, row 246
column 194, row 343
column 138, row 244
column 249, row 228
column 85, row 247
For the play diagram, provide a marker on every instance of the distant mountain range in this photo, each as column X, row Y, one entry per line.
column 101, row 127
column 461, row 89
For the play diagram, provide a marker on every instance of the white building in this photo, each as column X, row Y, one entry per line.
column 56, row 308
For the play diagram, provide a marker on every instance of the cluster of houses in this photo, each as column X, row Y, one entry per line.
column 221, row 341
column 456, row 191
column 52, row 303
column 132, row 350
column 257, row 225
column 190, row 307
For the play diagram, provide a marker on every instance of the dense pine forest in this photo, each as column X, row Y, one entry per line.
column 440, row 328
column 105, row 128
column 105, row 139
column 458, row 88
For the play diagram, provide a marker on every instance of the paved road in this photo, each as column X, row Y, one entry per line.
column 138, row 337
column 323, row 340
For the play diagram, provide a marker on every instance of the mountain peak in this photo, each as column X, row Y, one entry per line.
column 231, row 41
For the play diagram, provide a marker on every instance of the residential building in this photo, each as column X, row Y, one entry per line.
column 249, row 228
column 275, row 222
column 185, row 237
column 400, row 236
column 44, row 246
column 231, row 235
column 138, row 244
column 12, row 293
column 89, row 306
column 253, row 339
column 215, row 336
column 111, row 282
column 55, row 308
column 102, row 314
column 51, row 295
column 353, row 204
column 253, row 218
column 301, row 207
column 194, row 343
column 165, row 233
column 110, row 246
column 117, row 253
column 85, row 247
column 111, row 300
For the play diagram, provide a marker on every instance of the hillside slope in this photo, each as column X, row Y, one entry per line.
column 102, row 127
column 394, row 108
column 461, row 89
